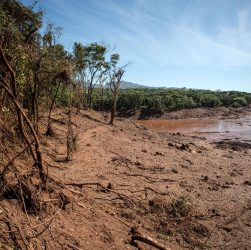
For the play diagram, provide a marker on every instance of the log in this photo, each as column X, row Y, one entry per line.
column 137, row 236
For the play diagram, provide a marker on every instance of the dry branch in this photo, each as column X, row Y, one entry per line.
column 38, row 158
column 13, row 90
column 150, row 179
column 13, row 95
column 137, row 236
column 122, row 196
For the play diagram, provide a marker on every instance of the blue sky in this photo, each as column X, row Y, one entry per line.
column 173, row 43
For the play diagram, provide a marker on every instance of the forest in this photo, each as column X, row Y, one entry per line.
column 46, row 75
column 38, row 70
column 156, row 101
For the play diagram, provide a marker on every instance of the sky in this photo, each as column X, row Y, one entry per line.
column 204, row 44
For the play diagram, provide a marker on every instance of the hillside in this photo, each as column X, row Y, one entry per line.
column 127, row 85
column 130, row 85
column 183, row 192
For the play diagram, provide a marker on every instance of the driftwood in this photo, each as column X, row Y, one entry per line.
column 137, row 236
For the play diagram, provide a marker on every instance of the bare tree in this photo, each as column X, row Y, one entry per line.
column 115, row 80
column 61, row 77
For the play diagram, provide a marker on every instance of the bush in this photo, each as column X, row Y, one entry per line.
column 239, row 101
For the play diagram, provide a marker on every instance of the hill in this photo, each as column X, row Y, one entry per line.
column 131, row 85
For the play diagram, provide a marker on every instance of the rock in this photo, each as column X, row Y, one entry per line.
column 247, row 183
column 158, row 153
column 225, row 185
column 233, row 174
column 227, row 228
column 183, row 147
column 174, row 170
column 205, row 178
column 109, row 186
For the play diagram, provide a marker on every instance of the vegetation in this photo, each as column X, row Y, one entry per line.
column 156, row 101
column 45, row 73
column 180, row 207
column 36, row 74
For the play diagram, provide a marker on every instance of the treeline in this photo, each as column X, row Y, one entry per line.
column 158, row 100
column 40, row 73
column 37, row 73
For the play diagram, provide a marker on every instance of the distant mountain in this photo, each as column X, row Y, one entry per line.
column 128, row 85
column 131, row 85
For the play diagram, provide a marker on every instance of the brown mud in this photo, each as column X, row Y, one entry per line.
column 210, row 128
column 220, row 113
column 185, row 192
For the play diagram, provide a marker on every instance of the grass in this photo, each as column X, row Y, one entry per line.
column 180, row 207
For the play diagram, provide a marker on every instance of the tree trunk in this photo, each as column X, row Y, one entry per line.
column 113, row 110
column 21, row 114
column 49, row 129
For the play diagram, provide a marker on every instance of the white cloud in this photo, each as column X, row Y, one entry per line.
column 163, row 32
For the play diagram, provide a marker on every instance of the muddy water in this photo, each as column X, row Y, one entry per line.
column 213, row 129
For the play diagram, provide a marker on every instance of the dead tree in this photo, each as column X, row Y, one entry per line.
column 70, row 136
column 71, row 139
column 60, row 77
column 115, row 80
column 11, row 90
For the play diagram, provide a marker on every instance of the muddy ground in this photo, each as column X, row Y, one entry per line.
column 219, row 112
column 183, row 192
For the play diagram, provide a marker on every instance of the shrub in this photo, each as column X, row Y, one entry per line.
column 180, row 207
column 239, row 101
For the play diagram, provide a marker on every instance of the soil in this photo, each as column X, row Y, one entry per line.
column 220, row 112
column 184, row 192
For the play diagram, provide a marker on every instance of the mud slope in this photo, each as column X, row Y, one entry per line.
column 183, row 192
